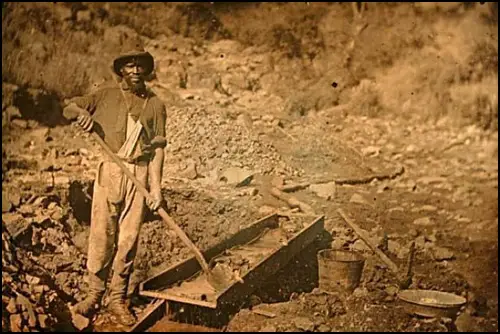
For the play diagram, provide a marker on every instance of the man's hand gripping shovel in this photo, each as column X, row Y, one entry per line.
column 217, row 278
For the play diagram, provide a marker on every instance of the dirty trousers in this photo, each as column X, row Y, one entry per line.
column 117, row 213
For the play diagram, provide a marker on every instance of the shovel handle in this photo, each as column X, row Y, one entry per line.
column 180, row 233
column 392, row 266
column 163, row 214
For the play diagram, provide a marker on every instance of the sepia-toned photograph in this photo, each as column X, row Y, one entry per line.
column 250, row 167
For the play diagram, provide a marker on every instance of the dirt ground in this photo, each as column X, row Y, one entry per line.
column 389, row 112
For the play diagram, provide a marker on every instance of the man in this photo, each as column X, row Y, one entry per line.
column 131, row 120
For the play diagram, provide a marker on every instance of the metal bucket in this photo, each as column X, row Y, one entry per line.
column 339, row 270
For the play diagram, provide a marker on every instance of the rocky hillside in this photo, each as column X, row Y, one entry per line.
column 414, row 60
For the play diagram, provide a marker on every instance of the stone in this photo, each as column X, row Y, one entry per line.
column 390, row 147
column 84, row 152
column 15, row 199
column 52, row 206
column 324, row 190
column 431, row 179
column 358, row 199
column 13, row 112
column 32, row 279
column 83, row 15
column 20, row 123
column 391, row 290
column 252, row 191
column 239, row 177
column 337, row 243
column 266, row 210
column 413, row 233
column 304, row 324
column 277, row 123
column 442, row 254
column 411, row 148
column 370, row 151
column 244, row 120
column 38, row 289
column 12, row 306
column 478, row 202
column 394, row 246
column 15, row 322
column 80, row 240
column 424, row 221
column 397, row 208
column 12, row 220
column 411, row 162
column 429, row 208
column 389, row 299
column 360, row 292
column 277, row 182
column 32, row 321
column 6, row 205
column 31, row 122
column 191, row 171
column 62, row 181
column 39, row 134
column 464, row 220
column 267, row 118
column 42, row 320
column 79, row 321
column 431, row 238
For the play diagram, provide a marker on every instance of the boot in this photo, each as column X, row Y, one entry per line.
column 119, row 308
column 118, row 305
column 88, row 306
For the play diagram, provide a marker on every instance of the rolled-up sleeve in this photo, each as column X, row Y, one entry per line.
column 159, row 139
column 88, row 102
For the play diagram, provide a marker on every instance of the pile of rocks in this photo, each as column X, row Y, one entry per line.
column 29, row 302
column 214, row 142
column 45, row 266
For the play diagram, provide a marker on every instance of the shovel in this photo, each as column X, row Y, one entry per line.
column 217, row 279
column 404, row 278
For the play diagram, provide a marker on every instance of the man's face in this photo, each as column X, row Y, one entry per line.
column 133, row 74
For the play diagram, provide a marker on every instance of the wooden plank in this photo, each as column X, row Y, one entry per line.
column 187, row 268
column 264, row 313
column 154, row 314
column 175, row 298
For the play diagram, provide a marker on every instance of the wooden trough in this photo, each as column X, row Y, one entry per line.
column 259, row 251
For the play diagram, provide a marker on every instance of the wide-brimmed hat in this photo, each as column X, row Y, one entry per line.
column 139, row 54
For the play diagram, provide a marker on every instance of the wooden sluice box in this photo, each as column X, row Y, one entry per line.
column 255, row 254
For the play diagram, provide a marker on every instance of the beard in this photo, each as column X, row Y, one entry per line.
column 136, row 84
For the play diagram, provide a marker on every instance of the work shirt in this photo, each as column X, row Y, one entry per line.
column 108, row 109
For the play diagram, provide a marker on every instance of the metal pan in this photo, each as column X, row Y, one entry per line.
column 431, row 304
